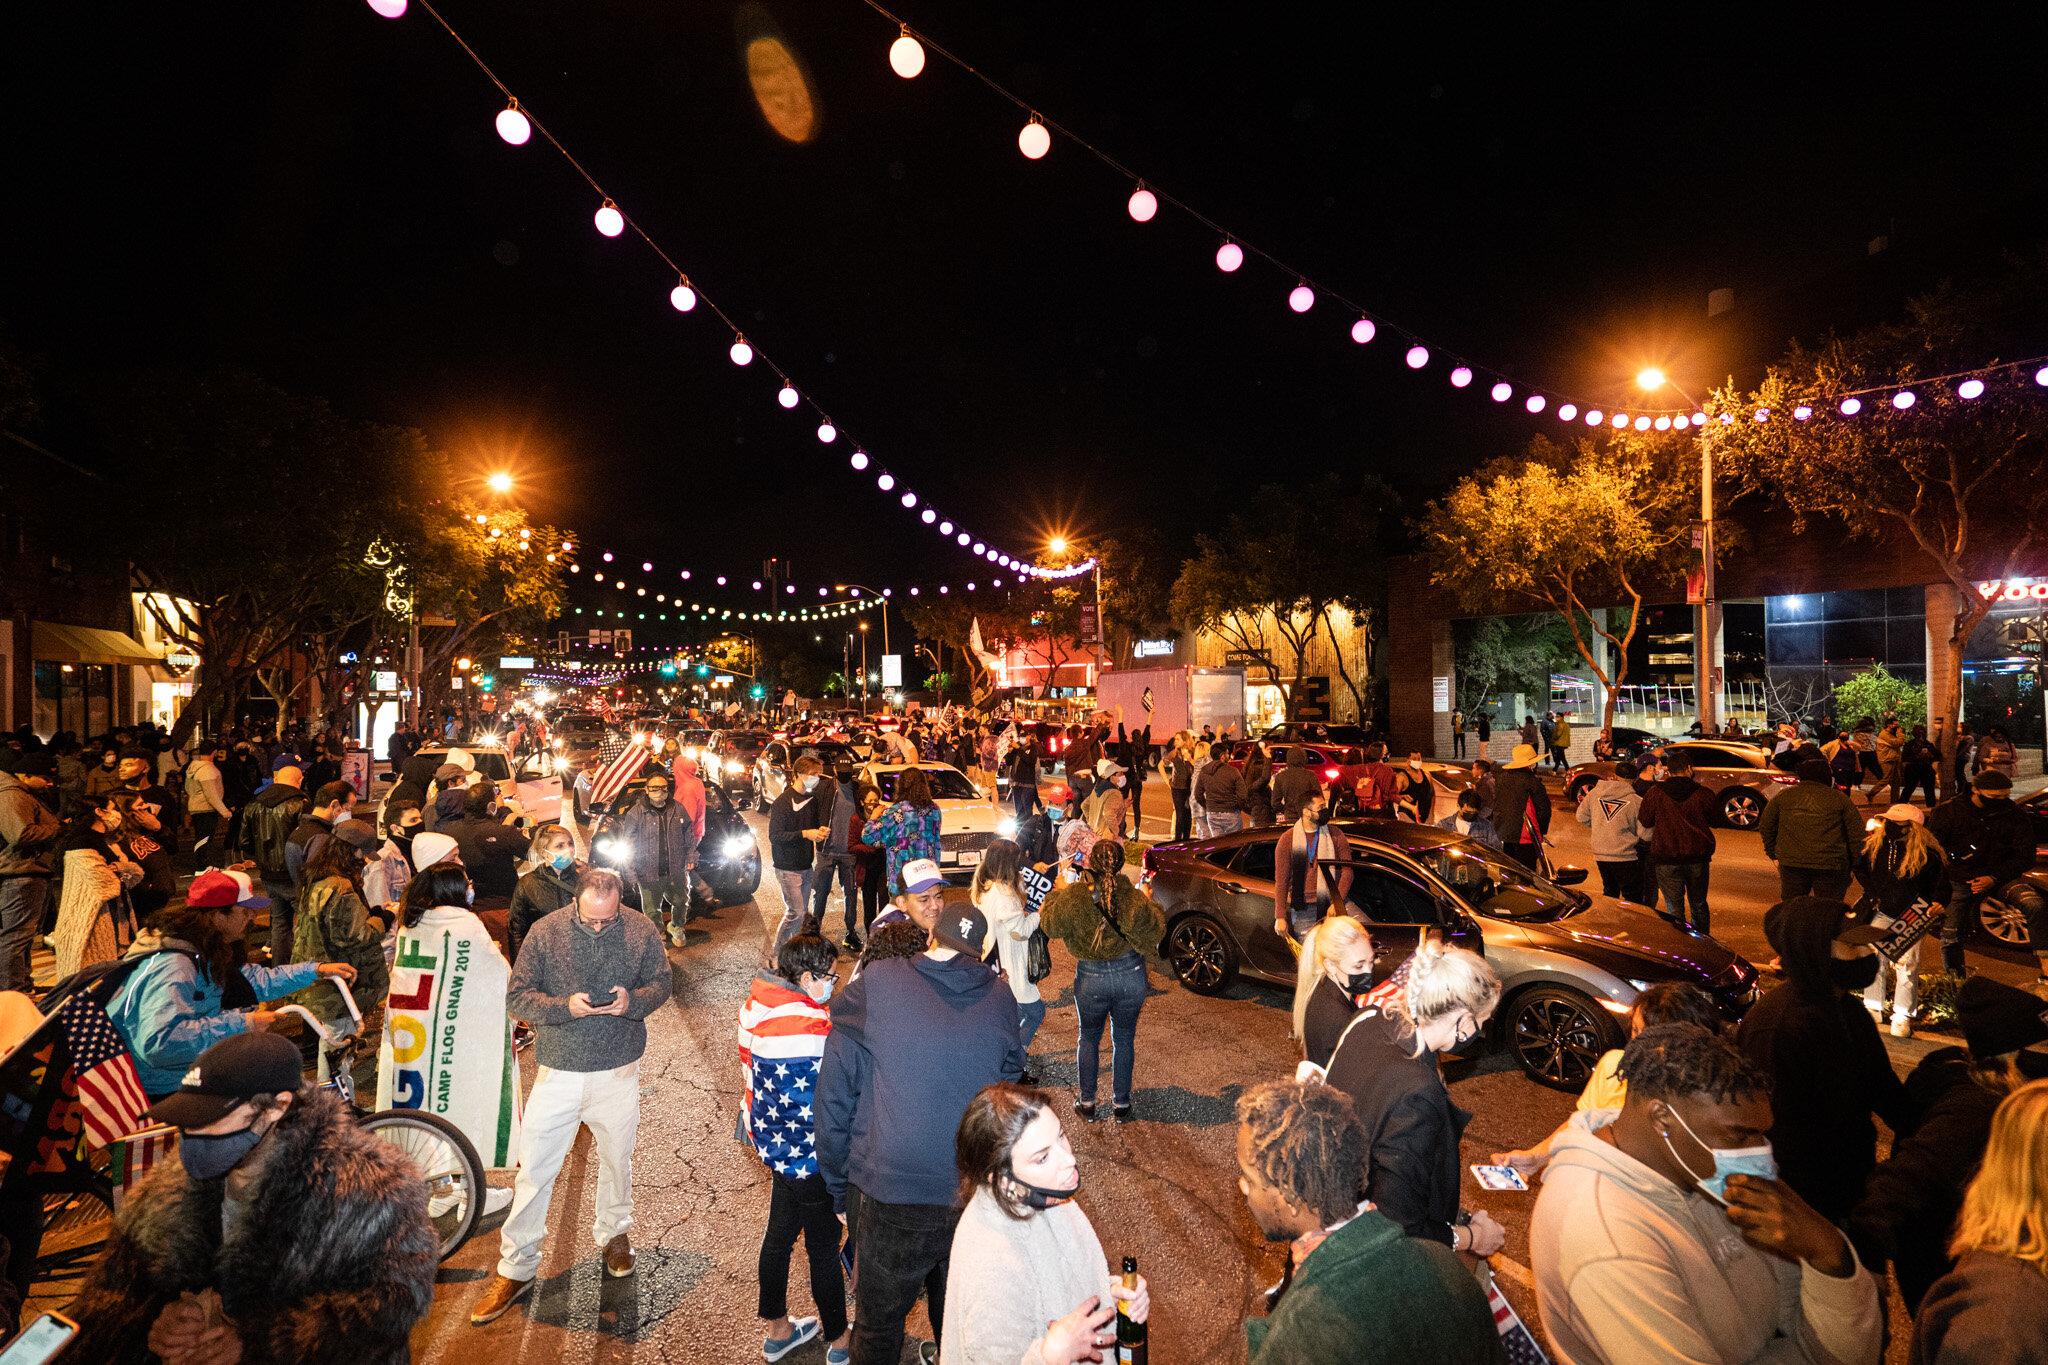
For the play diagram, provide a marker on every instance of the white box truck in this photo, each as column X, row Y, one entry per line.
column 1182, row 697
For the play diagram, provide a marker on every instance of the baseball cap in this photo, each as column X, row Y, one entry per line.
column 41, row 764
column 963, row 928
column 450, row 772
column 428, row 849
column 921, row 874
column 218, row 890
column 357, row 832
column 1998, row 1018
column 230, row 1072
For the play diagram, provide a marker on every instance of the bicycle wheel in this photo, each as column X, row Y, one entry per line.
column 76, row 1222
column 453, row 1171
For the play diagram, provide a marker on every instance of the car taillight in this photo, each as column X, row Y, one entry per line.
column 1786, row 779
column 1145, row 861
column 1330, row 773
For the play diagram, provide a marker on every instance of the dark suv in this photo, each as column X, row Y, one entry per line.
column 1570, row 966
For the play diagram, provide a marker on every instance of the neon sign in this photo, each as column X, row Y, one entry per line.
column 2014, row 590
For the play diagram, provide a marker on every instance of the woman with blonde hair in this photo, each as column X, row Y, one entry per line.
column 1330, row 984
column 1387, row 1062
column 1992, row 1309
column 1901, row 865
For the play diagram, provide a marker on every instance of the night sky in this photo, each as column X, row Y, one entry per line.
column 316, row 193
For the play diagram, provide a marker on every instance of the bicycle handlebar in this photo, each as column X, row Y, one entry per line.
column 347, row 998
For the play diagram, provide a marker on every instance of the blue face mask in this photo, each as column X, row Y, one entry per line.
column 560, row 862
column 210, row 1158
column 1055, row 812
column 1756, row 1161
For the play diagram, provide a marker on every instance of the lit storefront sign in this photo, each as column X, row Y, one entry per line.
column 2015, row 589
column 1149, row 649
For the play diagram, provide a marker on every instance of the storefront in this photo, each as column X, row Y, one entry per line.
column 84, row 678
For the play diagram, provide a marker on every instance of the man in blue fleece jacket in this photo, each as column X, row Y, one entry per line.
column 912, row 1041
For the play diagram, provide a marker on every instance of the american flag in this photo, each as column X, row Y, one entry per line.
column 109, row 1090
column 135, row 1154
column 1515, row 1336
column 610, row 782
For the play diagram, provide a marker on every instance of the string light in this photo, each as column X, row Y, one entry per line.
column 609, row 220
column 1969, row 388
column 1567, row 412
column 741, row 353
column 1229, row 257
column 1143, row 204
column 788, row 396
column 827, row 434
column 1501, row 392
column 513, row 125
column 906, row 55
column 1903, row 399
column 860, row 459
column 1033, row 140
column 1594, row 417
column 1534, row 403
column 1363, row 331
column 682, row 297
column 1851, row 406
column 1461, row 376
column 390, row 9
column 1301, row 298
column 1417, row 357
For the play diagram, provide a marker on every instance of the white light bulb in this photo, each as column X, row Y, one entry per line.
column 906, row 56
column 514, row 126
column 1852, row 406
column 1501, row 392
column 910, row 499
column 945, row 528
column 1642, row 424
column 1663, row 424
column 741, row 353
column 1620, row 420
column 1363, row 331
column 1568, row 412
column 963, row 538
column 1034, row 141
column 1970, row 388
column 788, row 397
column 1903, row 399
column 1461, row 376
column 1417, row 357
column 1143, row 204
column 860, row 459
column 609, row 220
column 1800, row 413
column 390, row 9
column 1594, row 417
column 827, row 434
column 682, row 297
column 1229, row 257
column 1535, row 402
column 886, row 482
column 930, row 516
column 1301, row 298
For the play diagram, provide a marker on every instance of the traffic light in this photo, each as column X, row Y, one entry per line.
column 668, row 670
column 759, row 692
column 703, row 671
column 486, row 682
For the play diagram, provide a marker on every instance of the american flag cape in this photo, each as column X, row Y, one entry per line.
column 610, row 782
column 110, row 1094
column 782, row 1041
column 1515, row 1336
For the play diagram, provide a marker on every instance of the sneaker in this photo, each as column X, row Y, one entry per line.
column 499, row 1296
column 1086, row 1109
column 618, row 1257
column 928, row 1353
column 853, row 944
column 497, row 1197
column 1902, row 1027
column 675, row 934
column 838, row 1355
column 802, row 1330
column 1122, row 1112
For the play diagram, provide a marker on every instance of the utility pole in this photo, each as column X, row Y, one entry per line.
column 1706, row 673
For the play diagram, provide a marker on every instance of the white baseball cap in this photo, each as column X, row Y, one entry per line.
column 921, row 874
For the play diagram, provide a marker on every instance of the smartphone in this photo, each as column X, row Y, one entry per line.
column 1499, row 1178
column 42, row 1340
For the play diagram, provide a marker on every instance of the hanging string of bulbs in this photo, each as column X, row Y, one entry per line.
column 516, row 124
column 1035, row 140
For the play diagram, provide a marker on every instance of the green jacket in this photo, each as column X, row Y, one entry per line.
column 1370, row 1294
column 1070, row 916
column 333, row 925
column 1813, row 826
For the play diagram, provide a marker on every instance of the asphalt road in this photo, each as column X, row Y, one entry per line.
column 1163, row 1187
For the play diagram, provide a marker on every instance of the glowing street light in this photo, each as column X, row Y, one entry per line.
column 1650, row 380
column 1058, row 545
column 500, row 482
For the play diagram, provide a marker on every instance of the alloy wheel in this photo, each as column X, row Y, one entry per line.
column 1200, row 956
column 1557, row 1040
column 1742, row 808
column 2004, row 923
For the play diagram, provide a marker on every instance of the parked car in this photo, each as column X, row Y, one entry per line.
column 728, row 858
column 729, row 761
column 579, row 737
column 1740, row 775
column 772, row 770
column 1570, row 965
column 1318, row 732
column 1999, row 918
column 968, row 821
column 536, row 784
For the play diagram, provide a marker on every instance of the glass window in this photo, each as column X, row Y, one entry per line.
column 1494, row 884
column 1256, row 860
column 946, row 784
column 1385, row 896
column 1707, row 756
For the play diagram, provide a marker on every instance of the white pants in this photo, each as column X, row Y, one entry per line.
column 1905, row 984
column 609, row 1102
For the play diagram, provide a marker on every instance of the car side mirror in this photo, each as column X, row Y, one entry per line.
column 1567, row 876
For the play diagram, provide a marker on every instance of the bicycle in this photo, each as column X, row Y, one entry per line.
column 446, row 1158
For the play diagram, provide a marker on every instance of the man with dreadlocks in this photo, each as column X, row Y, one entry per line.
column 1663, row 1233
column 1358, row 1289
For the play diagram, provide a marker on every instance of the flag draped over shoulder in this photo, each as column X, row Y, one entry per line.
column 447, row 1043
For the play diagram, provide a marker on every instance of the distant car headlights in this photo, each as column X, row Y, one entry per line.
column 734, row 767
column 738, row 845
column 1007, row 826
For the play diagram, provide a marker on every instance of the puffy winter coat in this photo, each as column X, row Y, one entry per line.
column 332, row 1261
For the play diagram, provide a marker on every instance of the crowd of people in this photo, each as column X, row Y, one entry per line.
column 1719, row 1193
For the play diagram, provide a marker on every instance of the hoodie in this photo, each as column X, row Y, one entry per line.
column 1678, row 815
column 1629, row 1268
column 1610, row 810
column 447, row 809
column 913, row 1040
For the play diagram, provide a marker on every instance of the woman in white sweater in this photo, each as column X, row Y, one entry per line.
column 998, row 892
column 1028, row 1284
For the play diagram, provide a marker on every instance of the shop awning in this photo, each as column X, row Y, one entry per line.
column 87, row 645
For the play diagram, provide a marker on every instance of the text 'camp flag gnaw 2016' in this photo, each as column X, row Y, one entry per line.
column 447, row 1044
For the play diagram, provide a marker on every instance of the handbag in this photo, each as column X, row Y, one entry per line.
column 1037, row 957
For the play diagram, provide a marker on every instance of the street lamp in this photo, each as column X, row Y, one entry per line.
column 500, row 482
column 1058, row 545
column 1705, row 673
column 879, row 597
column 863, row 668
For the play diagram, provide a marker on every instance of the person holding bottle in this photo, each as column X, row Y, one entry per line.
column 1029, row 1280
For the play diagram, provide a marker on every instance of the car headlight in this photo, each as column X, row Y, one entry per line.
column 607, row 846
column 734, row 766
column 1007, row 826
column 737, row 845
column 558, row 744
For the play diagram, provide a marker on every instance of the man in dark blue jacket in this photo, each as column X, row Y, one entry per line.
column 913, row 1040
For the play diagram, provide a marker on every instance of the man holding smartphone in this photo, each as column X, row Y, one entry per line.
column 586, row 979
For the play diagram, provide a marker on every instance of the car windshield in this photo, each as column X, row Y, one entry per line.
column 747, row 744
column 1493, row 883
column 831, row 755
column 946, row 784
column 489, row 762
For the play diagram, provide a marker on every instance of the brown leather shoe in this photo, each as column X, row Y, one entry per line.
column 618, row 1257
column 499, row 1296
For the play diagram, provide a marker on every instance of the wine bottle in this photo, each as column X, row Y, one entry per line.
column 1130, row 1336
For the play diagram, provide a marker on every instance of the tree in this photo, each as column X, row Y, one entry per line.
column 802, row 673
column 1564, row 528
column 1960, row 477
column 1281, row 564
column 953, row 618
column 1138, row 569
column 1501, row 653
column 1875, row 693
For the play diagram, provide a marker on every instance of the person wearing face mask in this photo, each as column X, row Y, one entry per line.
column 1029, row 1282
column 95, row 922
column 1106, row 808
column 587, row 978
column 1900, row 866
column 283, row 1231
column 206, row 802
column 104, row 776
column 1990, row 845
column 1387, row 1061
column 1818, row 1044
column 550, row 886
column 1330, row 985
column 661, row 847
column 1311, row 868
column 1038, row 834
column 1663, row 1233
column 385, row 879
column 782, row 1029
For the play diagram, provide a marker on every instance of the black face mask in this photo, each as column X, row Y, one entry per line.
column 1358, row 983
column 1323, row 816
column 1853, row 974
column 1038, row 1197
column 210, row 1158
column 2032, row 1063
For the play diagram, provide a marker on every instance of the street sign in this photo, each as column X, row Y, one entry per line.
column 383, row 680
column 1089, row 630
column 1440, row 695
column 515, row 661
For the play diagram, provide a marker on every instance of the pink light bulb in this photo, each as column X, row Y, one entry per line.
column 1143, row 204
column 1501, row 392
column 827, row 434
column 757, row 585
column 860, row 459
column 607, row 556
column 721, row 580
column 1568, row 412
column 1461, row 376
column 1727, row 419
column 1301, row 298
column 944, row 588
column 1763, row 414
column 682, row 298
column 1229, row 257
column 514, row 126
column 1363, row 331
column 741, row 353
column 609, row 220
column 787, row 396
column 686, row 574
column 646, row 568
column 1034, row 141
column 1535, row 402
column 1417, row 357
column 390, row 9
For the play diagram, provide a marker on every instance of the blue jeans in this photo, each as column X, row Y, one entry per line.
column 1681, row 882
column 1109, row 992
column 1222, row 822
column 1030, row 1014
column 796, row 901
column 21, row 919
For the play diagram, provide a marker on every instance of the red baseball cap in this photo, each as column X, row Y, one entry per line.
column 213, row 890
